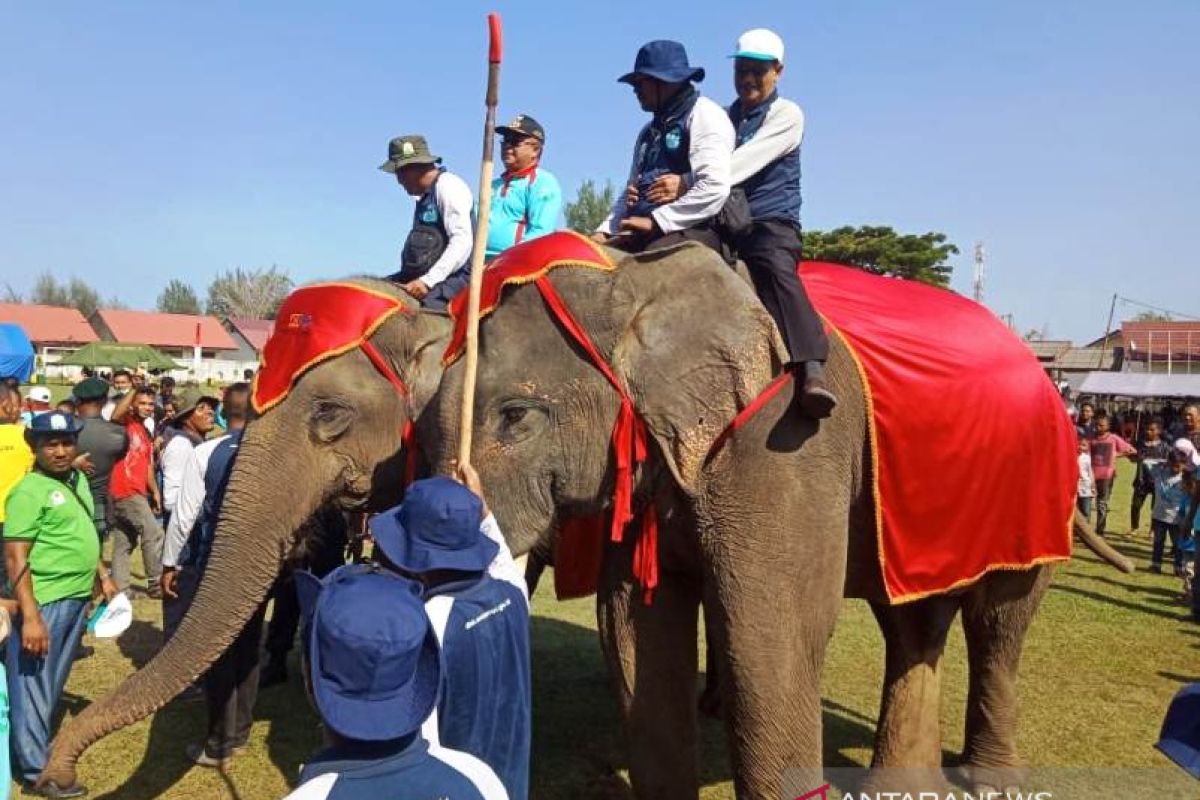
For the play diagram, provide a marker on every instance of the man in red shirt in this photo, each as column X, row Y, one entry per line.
column 134, row 494
column 1106, row 448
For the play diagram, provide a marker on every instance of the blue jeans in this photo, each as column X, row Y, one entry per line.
column 1084, row 504
column 35, row 685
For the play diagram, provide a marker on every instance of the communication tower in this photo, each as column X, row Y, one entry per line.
column 980, row 271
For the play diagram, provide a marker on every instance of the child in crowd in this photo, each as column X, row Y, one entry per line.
column 1170, row 495
column 1152, row 450
column 1187, row 544
column 1106, row 448
column 1086, row 491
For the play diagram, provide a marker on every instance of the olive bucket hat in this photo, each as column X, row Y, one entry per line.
column 405, row 150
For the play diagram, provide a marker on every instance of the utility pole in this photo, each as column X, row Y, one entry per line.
column 980, row 272
column 1108, row 327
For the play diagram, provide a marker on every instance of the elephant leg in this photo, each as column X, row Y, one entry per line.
column 908, row 742
column 651, row 653
column 770, row 634
column 996, row 616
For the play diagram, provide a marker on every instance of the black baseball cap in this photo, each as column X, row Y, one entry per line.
column 523, row 125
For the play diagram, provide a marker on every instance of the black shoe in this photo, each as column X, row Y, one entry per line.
column 84, row 651
column 52, row 789
column 816, row 400
column 273, row 674
column 198, row 755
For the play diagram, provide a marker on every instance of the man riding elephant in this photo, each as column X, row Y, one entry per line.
column 435, row 261
column 688, row 134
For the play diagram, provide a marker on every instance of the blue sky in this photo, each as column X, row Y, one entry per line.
column 143, row 141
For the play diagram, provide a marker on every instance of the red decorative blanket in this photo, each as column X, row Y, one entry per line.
column 974, row 455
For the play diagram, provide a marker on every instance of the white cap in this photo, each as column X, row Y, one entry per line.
column 40, row 393
column 760, row 44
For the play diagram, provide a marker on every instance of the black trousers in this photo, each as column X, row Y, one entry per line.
column 772, row 251
column 327, row 554
column 230, row 689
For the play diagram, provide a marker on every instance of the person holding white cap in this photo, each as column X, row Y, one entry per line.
column 766, row 166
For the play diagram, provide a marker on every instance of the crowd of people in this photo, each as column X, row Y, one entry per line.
column 432, row 697
column 1165, row 451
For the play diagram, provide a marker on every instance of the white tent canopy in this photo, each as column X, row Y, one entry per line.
column 1141, row 384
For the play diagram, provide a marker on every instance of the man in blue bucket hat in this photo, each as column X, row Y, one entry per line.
column 689, row 136
column 444, row 536
column 374, row 678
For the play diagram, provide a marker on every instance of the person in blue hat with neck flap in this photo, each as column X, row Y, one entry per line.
column 444, row 536
column 375, row 678
column 689, row 135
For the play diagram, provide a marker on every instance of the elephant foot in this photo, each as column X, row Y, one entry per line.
column 925, row 782
column 999, row 779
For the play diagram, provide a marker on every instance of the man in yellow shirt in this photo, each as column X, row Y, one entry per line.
column 15, row 456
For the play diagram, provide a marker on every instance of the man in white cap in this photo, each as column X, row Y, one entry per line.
column 766, row 166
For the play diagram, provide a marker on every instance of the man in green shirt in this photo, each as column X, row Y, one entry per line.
column 53, row 553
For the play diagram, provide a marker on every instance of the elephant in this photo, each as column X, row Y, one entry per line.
column 335, row 438
column 768, row 534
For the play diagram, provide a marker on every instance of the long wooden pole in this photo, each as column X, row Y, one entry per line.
column 495, row 47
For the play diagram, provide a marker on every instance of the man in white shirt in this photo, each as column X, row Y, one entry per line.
column 689, row 135
column 435, row 263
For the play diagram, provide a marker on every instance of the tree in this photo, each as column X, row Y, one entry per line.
column 76, row 293
column 11, row 295
column 883, row 251
column 590, row 207
column 178, row 298
column 249, row 293
column 1152, row 316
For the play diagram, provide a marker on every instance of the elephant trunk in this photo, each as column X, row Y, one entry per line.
column 1094, row 542
column 261, row 511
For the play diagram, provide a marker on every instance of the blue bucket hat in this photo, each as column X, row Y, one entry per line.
column 1180, row 737
column 374, row 660
column 436, row 527
column 53, row 423
column 665, row 60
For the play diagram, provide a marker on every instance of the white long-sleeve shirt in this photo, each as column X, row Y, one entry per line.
column 781, row 132
column 504, row 566
column 711, row 141
column 189, row 501
column 454, row 202
column 174, row 458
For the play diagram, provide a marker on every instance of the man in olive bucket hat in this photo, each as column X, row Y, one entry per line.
column 435, row 261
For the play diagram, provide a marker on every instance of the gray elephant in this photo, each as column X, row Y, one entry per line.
column 335, row 437
column 768, row 534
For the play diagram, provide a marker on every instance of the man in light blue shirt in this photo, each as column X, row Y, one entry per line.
column 527, row 200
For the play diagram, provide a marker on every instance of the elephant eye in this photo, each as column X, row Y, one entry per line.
column 513, row 415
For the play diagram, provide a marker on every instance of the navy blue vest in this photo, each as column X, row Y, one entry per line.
column 773, row 191
column 663, row 147
column 216, row 479
column 426, row 241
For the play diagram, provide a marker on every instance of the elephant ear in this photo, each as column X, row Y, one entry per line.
column 698, row 346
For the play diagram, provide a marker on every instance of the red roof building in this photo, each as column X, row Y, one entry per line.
column 1162, row 345
column 169, row 332
column 254, row 331
column 49, row 326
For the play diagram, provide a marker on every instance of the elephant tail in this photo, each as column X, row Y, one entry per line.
column 1095, row 542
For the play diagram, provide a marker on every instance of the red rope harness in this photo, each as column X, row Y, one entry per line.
column 629, row 450
column 748, row 412
column 408, row 434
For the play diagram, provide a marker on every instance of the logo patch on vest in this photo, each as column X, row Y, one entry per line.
column 673, row 139
column 430, row 214
column 57, row 498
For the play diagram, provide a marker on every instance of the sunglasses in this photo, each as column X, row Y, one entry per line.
column 755, row 68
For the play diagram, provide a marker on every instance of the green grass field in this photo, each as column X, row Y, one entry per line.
column 1105, row 656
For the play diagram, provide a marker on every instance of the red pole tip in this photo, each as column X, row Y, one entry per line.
column 495, row 39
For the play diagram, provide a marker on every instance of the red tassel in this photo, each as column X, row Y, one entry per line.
column 408, row 440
